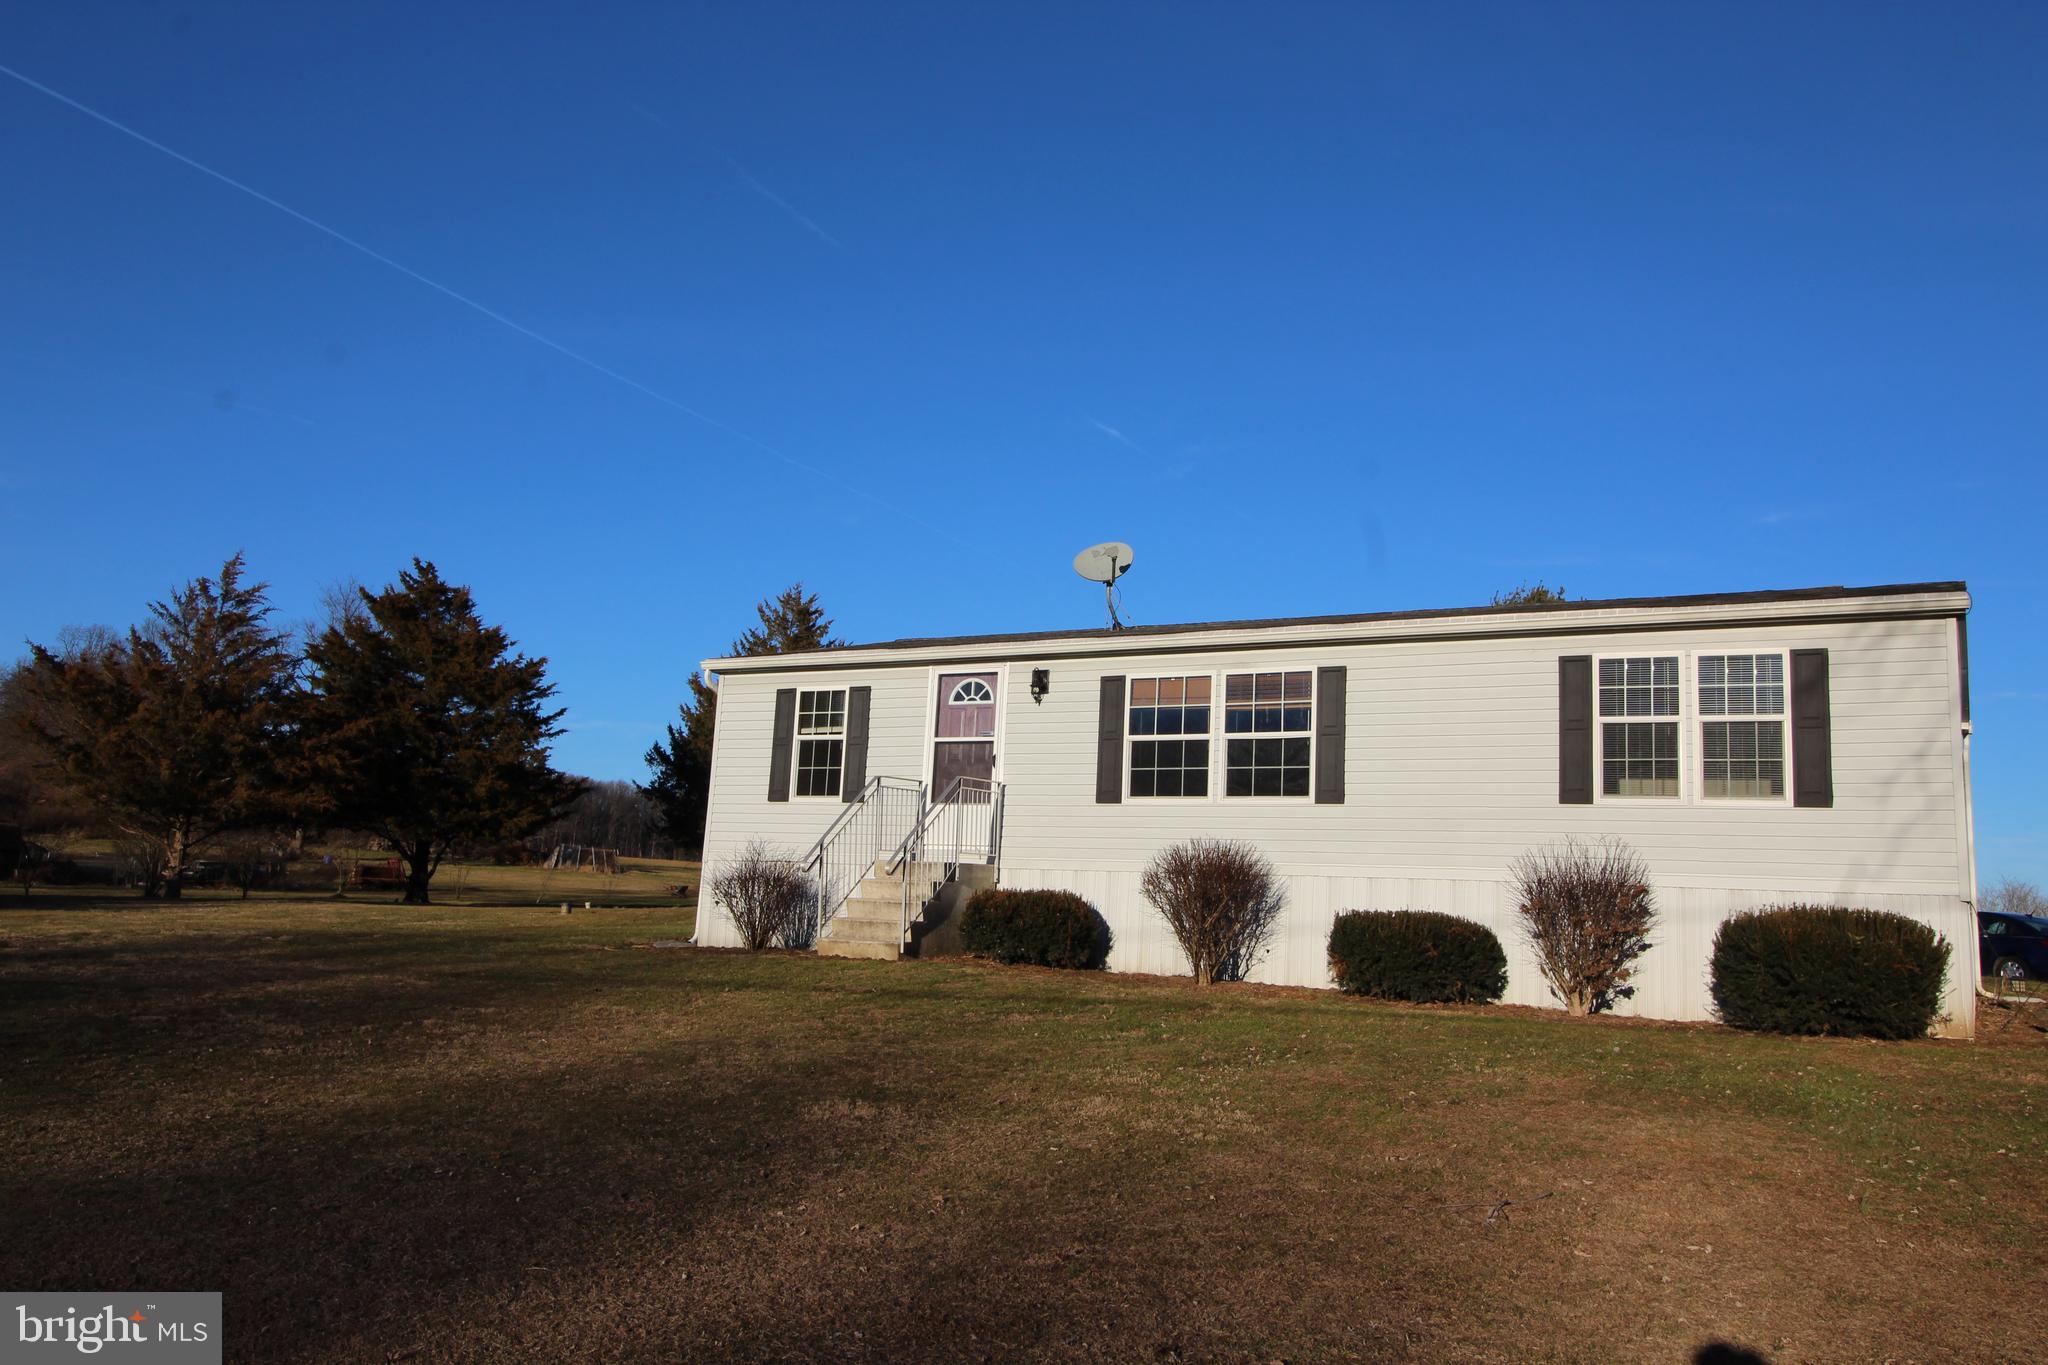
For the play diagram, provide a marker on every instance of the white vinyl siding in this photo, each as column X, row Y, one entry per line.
column 1451, row 767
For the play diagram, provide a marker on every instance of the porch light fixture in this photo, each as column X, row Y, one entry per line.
column 1041, row 683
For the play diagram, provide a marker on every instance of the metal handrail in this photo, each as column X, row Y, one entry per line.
column 965, row 825
column 857, row 839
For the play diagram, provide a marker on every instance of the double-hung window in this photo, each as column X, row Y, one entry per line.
column 1268, row 721
column 1639, row 726
column 820, row 742
column 1742, row 726
column 1169, row 736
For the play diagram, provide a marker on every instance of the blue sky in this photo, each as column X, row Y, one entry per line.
column 1324, row 307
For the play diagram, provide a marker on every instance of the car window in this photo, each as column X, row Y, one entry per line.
column 1994, row 926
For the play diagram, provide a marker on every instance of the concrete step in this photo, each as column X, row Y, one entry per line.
column 879, row 952
column 887, row 906
column 870, row 924
column 880, row 876
column 853, row 928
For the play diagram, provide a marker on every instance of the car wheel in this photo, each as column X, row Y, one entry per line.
column 2011, row 969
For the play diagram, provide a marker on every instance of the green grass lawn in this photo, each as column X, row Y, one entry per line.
column 487, row 1132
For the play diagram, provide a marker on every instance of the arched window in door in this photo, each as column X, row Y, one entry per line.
column 971, row 692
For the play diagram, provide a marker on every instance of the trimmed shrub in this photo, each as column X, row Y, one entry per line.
column 1587, row 912
column 1046, row 928
column 1417, row 955
column 1221, row 900
column 1826, row 969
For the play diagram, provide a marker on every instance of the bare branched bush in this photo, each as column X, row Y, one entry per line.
column 1587, row 911
column 140, row 862
column 1221, row 901
column 767, row 895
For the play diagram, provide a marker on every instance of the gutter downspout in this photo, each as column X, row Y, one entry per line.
column 697, row 923
column 1962, row 640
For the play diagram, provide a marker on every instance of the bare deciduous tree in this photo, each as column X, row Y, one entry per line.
column 767, row 895
column 1220, row 899
column 1587, row 911
column 139, row 861
column 2010, row 896
column 249, row 857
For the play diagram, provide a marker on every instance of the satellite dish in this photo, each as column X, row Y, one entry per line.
column 1105, row 564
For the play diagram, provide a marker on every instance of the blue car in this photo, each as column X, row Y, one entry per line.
column 2013, row 946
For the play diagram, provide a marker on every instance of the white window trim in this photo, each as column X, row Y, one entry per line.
column 1214, row 736
column 1687, row 790
column 1219, row 780
column 1689, row 703
column 797, row 738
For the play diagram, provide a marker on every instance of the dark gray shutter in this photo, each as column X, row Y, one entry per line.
column 1575, row 730
column 1813, row 770
column 1109, row 745
column 1330, row 736
column 855, row 775
column 785, row 731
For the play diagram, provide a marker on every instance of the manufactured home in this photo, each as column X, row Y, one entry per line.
column 1755, row 748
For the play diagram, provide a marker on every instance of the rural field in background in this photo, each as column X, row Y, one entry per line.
column 483, row 1130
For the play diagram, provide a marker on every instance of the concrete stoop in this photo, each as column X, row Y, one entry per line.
column 871, row 922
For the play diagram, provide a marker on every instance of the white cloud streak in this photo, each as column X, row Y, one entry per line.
column 772, row 197
column 435, row 285
column 1113, row 434
column 748, row 178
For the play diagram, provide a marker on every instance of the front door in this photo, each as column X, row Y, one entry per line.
column 963, row 746
column 964, row 739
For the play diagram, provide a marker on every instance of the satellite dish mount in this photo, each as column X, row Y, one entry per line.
column 1105, row 564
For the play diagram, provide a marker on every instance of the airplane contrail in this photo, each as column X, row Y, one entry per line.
column 465, row 300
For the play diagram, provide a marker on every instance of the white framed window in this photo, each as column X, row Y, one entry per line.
column 1742, row 726
column 1268, row 733
column 1639, row 724
column 1168, row 734
column 820, row 741
column 972, row 692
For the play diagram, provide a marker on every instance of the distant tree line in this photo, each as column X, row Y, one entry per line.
column 611, row 815
column 403, row 715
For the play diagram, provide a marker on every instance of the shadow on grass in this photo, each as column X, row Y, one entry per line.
column 422, row 1140
column 373, row 1200
column 1723, row 1353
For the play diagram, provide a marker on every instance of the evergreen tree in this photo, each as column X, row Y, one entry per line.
column 420, row 723
column 174, row 733
column 1528, row 595
column 680, row 768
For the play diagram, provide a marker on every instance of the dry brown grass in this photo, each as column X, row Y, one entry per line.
column 473, row 1134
